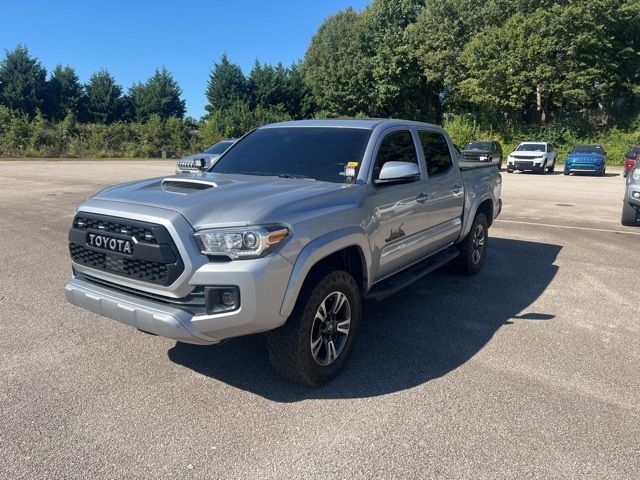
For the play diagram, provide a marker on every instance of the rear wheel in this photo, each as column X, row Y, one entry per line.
column 552, row 168
column 314, row 344
column 473, row 249
column 629, row 215
column 509, row 170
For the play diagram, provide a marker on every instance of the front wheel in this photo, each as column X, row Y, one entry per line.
column 473, row 249
column 314, row 344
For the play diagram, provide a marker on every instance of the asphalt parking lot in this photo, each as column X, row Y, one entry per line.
column 528, row 370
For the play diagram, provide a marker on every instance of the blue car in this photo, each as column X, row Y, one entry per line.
column 586, row 158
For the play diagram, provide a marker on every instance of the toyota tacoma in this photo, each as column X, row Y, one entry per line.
column 291, row 229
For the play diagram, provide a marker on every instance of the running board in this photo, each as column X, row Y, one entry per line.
column 394, row 284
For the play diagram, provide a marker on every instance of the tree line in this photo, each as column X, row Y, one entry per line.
column 569, row 68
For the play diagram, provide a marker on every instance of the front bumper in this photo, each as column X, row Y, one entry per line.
column 633, row 195
column 525, row 166
column 584, row 167
column 262, row 284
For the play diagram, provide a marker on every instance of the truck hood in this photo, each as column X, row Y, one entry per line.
column 217, row 200
column 527, row 154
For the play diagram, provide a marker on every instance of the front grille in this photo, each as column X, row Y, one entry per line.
column 520, row 164
column 154, row 257
column 471, row 157
column 153, row 272
column 89, row 223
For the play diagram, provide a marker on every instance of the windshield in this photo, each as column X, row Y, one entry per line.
column 220, row 147
column 320, row 153
column 531, row 147
column 588, row 149
column 478, row 146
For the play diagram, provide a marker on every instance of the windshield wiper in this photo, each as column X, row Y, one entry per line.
column 288, row 175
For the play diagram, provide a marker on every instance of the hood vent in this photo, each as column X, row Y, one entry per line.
column 185, row 186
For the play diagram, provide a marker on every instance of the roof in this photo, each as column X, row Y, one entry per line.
column 364, row 123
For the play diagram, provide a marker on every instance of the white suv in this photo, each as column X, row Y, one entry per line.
column 532, row 156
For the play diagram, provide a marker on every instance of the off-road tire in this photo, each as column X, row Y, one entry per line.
column 289, row 346
column 465, row 263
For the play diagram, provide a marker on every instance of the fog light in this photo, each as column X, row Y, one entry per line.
column 228, row 299
column 221, row 299
column 636, row 194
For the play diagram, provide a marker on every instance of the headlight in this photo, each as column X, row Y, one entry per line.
column 636, row 174
column 241, row 243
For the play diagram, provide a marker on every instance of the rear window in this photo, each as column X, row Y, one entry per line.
column 320, row 153
column 436, row 152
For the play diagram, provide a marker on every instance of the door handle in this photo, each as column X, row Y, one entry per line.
column 456, row 188
column 422, row 197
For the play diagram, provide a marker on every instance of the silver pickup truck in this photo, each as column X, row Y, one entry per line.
column 288, row 232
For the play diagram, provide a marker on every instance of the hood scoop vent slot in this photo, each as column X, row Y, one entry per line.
column 186, row 186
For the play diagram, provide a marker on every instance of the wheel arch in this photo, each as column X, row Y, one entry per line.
column 481, row 204
column 347, row 249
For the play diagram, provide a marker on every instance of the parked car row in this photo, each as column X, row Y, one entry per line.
column 541, row 157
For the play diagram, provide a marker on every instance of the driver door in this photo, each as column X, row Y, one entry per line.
column 400, row 217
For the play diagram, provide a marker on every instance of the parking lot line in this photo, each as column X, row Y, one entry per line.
column 569, row 227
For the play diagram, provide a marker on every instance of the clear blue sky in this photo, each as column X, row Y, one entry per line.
column 132, row 38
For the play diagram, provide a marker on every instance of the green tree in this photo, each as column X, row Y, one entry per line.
column 530, row 65
column 22, row 81
column 399, row 88
column 227, row 85
column 104, row 98
column 336, row 67
column 159, row 95
column 65, row 93
column 268, row 85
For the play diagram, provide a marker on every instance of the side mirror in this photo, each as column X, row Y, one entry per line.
column 396, row 172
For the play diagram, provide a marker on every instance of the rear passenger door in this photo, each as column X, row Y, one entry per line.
column 444, row 189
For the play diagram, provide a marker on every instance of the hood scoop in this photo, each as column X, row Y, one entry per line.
column 185, row 186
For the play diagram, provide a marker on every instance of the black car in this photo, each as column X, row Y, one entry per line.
column 483, row 151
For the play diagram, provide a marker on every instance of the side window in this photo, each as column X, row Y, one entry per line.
column 396, row 147
column 436, row 152
column 549, row 147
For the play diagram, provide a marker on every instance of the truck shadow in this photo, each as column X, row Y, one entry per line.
column 422, row 333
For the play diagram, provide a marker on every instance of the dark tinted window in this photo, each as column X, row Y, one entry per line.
column 479, row 146
column 436, row 152
column 219, row 147
column 396, row 147
column 631, row 154
column 588, row 149
column 311, row 152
